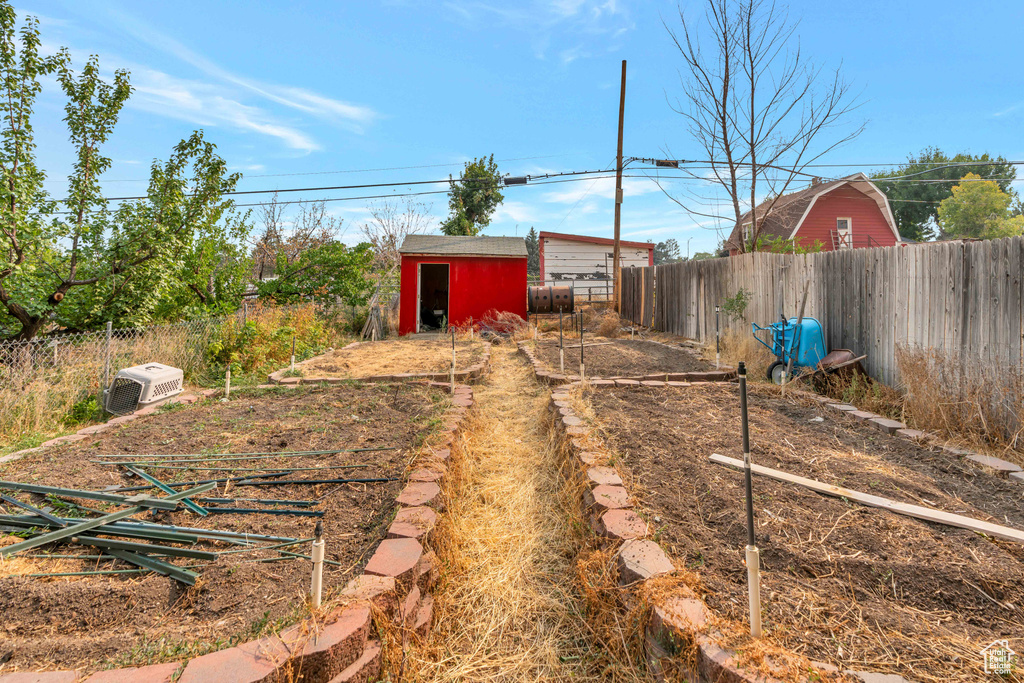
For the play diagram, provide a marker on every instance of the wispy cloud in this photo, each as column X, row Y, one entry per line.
column 1010, row 109
column 544, row 19
column 204, row 104
column 600, row 187
column 353, row 115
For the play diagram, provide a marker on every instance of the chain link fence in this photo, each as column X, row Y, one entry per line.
column 46, row 380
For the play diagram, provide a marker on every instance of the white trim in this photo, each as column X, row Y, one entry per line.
column 857, row 178
column 849, row 231
column 889, row 218
column 810, row 206
column 419, row 288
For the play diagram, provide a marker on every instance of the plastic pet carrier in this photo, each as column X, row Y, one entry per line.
column 140, row 386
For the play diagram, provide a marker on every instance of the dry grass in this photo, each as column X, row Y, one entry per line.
column 507, row 609
column 607, row 324
column 975, row 404
column 394, row 356
column 36, row 398
column 741, row 346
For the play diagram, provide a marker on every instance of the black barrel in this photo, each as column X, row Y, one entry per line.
column 550, row 299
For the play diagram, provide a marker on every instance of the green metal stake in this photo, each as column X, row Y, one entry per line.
column 158, row 503
column 85, row 525
column 167, row 489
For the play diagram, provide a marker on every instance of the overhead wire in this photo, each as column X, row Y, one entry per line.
column 350, row 170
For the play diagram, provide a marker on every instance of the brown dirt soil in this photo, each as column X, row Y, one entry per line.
column 619, row 357
column 858, row 587
column 393, row 356
column 132, row 619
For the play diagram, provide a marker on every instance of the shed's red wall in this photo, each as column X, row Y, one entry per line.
column 476, row 285
column 845, row 202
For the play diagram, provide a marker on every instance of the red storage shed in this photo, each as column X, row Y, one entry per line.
column 455, row 279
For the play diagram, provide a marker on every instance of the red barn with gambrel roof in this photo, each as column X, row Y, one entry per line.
column 846, row 213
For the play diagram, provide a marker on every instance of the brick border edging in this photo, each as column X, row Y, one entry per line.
column 473, row 372
column 677, row 620
column 655, row 379
column 1003, row 468
column 395, row 582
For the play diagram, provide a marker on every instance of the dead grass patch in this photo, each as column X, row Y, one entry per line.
column 741, row 346
column 395, row 356
column 507, row 607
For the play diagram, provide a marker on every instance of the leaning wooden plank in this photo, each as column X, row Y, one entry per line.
column 918, row 511
column 144, row 500
column 166, row 489
column 87, row 524
column 159, row 566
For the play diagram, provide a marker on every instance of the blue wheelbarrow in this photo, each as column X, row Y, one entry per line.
column 801, row 340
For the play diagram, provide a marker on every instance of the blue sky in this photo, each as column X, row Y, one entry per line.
column 316, row 87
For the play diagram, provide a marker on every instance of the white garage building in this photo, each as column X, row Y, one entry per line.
column 586, row 262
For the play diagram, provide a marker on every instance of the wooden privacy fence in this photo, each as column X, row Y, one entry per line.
column 961, row 298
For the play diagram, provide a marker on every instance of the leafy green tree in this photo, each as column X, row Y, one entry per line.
column 667, row 252
column 211, row 273
column 978, row 209
column 473, row 198
column 328, row 272
column 87, row 263
column 915, row 205
column 781, row 245
column 532, row 253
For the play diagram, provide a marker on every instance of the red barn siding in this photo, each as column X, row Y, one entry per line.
column 476, row 285
column 866, row 218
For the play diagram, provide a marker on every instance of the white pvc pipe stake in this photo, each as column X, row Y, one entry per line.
column 316, row 586
column 582, row 373
column 227, row 383
column 561, row 361
column 718, row 359
column 754, row 589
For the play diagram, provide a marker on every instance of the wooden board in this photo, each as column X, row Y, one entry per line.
column 916, row 511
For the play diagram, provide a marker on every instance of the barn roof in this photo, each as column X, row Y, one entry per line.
column 789, row 210
column 595, row 240
column 461, row 245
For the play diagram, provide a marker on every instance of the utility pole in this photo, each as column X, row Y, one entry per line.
column 616, row 269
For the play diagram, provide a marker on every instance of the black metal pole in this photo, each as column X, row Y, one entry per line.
column 717, row 349
column 742, row 372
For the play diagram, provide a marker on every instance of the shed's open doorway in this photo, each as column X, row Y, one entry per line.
column 433, row 297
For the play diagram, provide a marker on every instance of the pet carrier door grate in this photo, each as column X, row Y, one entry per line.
column 142, row 385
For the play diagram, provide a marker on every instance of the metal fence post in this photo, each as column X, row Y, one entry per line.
column 106, row 356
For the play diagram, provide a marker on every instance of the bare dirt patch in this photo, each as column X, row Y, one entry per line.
column 131, row 619
column 619, row 357
column 857, row 587
column 394, row 356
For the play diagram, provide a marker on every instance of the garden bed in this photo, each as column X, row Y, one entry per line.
column 391, row 359
column 856, row 587
column 620, row 357
column 91, row 622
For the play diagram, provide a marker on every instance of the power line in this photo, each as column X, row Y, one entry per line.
column 393, row 195
column 720, row 164
column 365, row 186
column 351, row 170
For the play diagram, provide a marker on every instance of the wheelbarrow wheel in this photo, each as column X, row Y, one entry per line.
column 776, row 371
